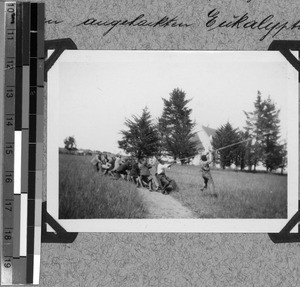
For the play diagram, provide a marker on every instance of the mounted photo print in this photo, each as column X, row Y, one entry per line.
column 172, row 141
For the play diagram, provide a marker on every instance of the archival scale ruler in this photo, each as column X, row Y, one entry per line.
column 21, row 83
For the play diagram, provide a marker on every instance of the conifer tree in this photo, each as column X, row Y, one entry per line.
column 253, row 128
column 141, row 139
column 224, row 136
column 176, row 127
column 263, row 125
column 270, row 125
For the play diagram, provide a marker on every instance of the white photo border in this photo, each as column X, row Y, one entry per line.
column 167, row 225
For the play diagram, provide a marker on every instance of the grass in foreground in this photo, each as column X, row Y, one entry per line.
column 85, row 194
column 240, row 194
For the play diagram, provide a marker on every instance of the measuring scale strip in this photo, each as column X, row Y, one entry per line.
column 8, row 149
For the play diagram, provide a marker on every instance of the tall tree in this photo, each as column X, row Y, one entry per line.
column 263, row 125
column 70, row 143
column 283, row 157
column 176, row 127
column 271, row 127
column 247, row 150
column 241, row 150
column 254, row 129
column 142, row 138
column 224, row 136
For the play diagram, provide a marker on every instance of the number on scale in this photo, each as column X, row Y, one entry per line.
column 8, row 206
column 9, row 93
column 8, row 177
column 11, row 7
column 10, row 64
column 10, row 35
column 7, row 235
column 7, row 262
column 9, row 121
column 9, row 149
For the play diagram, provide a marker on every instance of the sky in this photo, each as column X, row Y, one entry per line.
column 98, row 90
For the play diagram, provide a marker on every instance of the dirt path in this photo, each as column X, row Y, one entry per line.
column 164, row 206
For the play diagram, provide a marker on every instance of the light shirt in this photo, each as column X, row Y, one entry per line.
column 117, row 163
column 95, row 160
column 161, row 168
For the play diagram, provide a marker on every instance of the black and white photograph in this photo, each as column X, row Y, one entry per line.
column 175, row 141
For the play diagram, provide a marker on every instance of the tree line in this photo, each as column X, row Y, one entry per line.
column 260, row 139
column 172, row 134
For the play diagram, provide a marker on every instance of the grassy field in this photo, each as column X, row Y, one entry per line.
column 83, row 193
column 240, row 194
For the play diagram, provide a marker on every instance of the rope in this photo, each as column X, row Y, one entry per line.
column 226, row 146
column 233, row 144
column 239, row 142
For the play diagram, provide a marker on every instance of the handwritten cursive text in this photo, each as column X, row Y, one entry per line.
column 243, row 22
column 140, row 21
column 54, row 22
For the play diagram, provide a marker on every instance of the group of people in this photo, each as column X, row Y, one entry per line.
column 143, row 172
column 148, row 173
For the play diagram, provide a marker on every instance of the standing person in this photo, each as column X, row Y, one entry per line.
column 117, row 162
column 153, row 172
column 145, row 174
column 96, row 161
column 134, row 173
column 205, row 169
column 161, row 175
